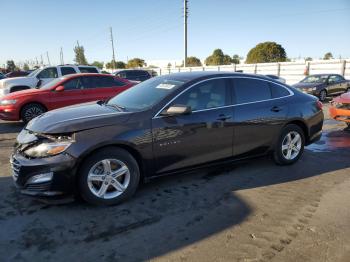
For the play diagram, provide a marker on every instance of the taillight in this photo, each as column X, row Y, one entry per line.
column 319, row 104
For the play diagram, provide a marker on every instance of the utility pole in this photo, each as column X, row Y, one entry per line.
column 48, row 58
column 185, row 32
column 61, row 57
column 113, row 55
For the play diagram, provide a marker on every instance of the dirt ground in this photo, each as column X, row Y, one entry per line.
column 251, row 211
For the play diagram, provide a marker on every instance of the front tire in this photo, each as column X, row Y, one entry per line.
column 108, row 177
column 30, row 111
column 290, row 145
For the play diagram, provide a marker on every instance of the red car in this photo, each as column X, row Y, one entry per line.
column 64, row 91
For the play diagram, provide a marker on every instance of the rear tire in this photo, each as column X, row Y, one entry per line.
column 323, row 95
column 290, row 145
column 108, row 177
column 30, row 111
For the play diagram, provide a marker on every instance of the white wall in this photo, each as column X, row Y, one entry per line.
column 293, row 72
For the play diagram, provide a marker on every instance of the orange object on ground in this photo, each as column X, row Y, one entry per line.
column 340, row 109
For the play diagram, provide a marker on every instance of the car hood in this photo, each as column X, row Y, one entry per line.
column 17, row 94
column 344, row 98
column 306, row 85
column 28, row 81
column 76, row 118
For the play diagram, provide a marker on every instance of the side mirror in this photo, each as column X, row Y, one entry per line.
column 59, row 89
column 38, row 84
column 177, row 110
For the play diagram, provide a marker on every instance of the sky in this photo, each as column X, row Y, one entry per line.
column 153, row 29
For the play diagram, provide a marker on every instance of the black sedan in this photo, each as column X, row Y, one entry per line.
column 167, row 124
column 134, row 74
column 323, row 85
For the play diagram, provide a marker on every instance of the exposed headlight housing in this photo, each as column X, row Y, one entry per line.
column 46, row 149
column 311, row 89
column 6, row 102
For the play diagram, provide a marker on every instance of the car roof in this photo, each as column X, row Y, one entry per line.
column 189, row 76
column 324, row 75
column 84, row 74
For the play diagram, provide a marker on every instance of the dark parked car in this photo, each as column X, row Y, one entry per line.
column 323, row 85
column 164, row 125
column 133, row 74
column 17, row 74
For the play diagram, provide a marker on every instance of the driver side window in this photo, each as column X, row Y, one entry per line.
column 206, row 95
column 48, row 73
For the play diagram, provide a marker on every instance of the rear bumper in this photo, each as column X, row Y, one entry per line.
column 340, row 114
column 9, row 113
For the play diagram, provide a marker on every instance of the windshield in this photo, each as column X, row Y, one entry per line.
column 145, row 94
column 51, row 83
column 33, row 73
column 315, row 79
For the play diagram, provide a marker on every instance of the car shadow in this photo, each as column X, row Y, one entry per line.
column 165, row 215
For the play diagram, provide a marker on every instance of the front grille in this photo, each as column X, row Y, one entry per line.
column 41, row 187
column 15, row 165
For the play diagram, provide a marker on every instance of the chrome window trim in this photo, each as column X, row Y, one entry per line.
column 291, row 93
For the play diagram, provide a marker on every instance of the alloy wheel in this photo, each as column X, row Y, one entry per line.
column 32, row 112
column 108, row 178
column 291, row 145
column 323, row 95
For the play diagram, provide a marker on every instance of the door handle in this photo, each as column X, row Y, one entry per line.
column 223, row 117
column 276, row 109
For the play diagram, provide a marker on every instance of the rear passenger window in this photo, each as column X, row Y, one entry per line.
column 250, row 90
column 67, row 70
column 84, row 69
column 278, row 91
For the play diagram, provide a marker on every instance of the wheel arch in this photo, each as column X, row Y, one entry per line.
column 303, row 126
column 28, row 103
column 134, row 153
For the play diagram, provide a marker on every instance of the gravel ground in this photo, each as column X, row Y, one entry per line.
column 251, row 211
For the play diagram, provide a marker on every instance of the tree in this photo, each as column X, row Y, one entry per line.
column 120, row 64
column 193, row 61
column 218, row 58
column 115, row 64
column 236, row 59
column 10, row 65
column 98, row 64
column 328, row 56
column 135, row 62
column 308, row 58
column 111, row 65
column 80, row 58
column 25, row 67
column 266, row 52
